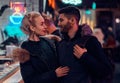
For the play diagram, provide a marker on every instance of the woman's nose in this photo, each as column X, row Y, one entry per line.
column 58, row 23
column 45, row 26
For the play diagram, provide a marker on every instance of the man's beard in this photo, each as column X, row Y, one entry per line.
column 66, row 28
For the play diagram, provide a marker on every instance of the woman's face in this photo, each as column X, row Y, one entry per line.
column 40, row 27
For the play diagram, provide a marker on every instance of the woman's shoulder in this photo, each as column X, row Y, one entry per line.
column 47, row 39
column 24, row 43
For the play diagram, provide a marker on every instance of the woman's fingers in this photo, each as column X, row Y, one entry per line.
column 62, row 71
column 78, row 51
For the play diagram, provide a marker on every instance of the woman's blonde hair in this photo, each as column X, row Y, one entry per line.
column 28, row 21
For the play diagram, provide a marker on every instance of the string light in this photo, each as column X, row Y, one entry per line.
column 52, row 3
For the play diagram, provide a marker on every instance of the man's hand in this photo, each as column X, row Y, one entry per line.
column 54, row 37
column 20, row 55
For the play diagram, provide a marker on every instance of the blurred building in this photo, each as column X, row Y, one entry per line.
column 11, row 14
column 96, row 13
column 102, row 13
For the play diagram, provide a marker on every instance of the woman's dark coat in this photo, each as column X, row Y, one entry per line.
column 42, row 64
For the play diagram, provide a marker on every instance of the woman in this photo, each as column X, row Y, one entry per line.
column 38, row 56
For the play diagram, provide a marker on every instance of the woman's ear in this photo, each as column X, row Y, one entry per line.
column 32, row 28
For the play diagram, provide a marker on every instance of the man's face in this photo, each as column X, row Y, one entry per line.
column 63, row 23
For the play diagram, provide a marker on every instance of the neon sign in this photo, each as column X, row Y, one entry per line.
column 18, row 7
column 16, row 18
column 19, row 10
column 73, row 2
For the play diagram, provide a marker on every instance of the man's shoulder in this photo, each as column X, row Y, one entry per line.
column 88, row 37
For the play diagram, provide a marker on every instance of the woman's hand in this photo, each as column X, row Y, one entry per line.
column 62, row 71
column 78, row 51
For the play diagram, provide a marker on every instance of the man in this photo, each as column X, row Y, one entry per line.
column 87, row 65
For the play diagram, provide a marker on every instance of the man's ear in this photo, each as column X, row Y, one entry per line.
column 72, row 20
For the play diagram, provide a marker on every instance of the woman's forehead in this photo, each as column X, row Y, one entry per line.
column 39, row 19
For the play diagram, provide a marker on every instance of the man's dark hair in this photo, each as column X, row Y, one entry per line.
column 70, row 10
